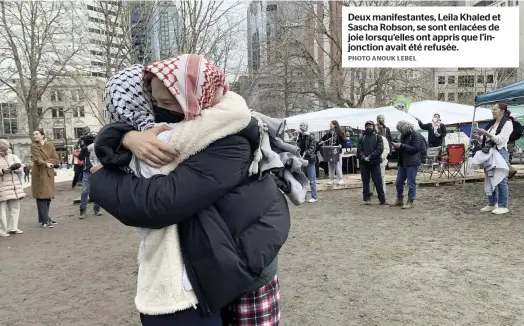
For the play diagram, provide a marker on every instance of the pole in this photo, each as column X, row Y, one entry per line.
column 65, row 139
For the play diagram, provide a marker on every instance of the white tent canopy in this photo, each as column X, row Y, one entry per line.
column 354, row 118
column 450, row 113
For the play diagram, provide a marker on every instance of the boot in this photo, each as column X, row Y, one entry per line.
column 409, row 204
column 82, row 214
column 398, row 203
column 512, row 172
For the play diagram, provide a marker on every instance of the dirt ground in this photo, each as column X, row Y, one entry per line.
column 442, row 263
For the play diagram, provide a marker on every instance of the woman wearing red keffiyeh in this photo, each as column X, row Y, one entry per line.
column 230, row 226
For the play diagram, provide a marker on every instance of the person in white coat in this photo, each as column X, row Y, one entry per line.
column 384, row 163
column 10, row 191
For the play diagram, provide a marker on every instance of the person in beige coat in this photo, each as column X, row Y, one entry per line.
column 10, row 191
column 44, row 158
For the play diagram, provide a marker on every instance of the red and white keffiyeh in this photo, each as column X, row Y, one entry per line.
column 196, row 82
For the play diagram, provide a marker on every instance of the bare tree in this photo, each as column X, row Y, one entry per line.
column 33, row 50
column 208, row 28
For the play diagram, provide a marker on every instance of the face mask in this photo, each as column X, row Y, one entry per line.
column 167, row 116
column 435, row 120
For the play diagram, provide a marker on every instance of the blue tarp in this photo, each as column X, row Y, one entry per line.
column 511, row 95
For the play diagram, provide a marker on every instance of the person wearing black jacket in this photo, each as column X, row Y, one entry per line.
column 231, row 226
column 412, row 149
column 308, row 151
column 436, row 131
column 370, row 154
column 87, row 144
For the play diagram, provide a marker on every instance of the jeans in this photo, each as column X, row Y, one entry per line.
column 42, row 206
column 501, row 193
column 86, row 178
column 335, row 166
column 188, row 317
column 311, row 174
column 409, row 173
column 372, row 170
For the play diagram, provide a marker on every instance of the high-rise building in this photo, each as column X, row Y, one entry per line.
column 154, row 31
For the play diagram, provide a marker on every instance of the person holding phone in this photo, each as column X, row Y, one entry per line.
column 496, row 135
column 411, row 150
column 44, row 158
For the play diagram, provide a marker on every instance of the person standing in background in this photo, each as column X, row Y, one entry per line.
column 85, row 153
column 44, row 158
column 383, row 130
column 497, row 135
column 11, row 192
column 436, row 131
column 384, row 163
column 335, row 137
column 77, row 167
column 411, row 149
column 307, row 144
column 27, row 170
column 370, row 154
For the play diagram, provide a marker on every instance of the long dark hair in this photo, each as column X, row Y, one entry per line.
column 340, row 134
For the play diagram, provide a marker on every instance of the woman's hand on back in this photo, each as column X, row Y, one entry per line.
column 146, row 146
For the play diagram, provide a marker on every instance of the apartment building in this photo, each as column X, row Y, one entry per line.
column 72, row 100
column 461, row 85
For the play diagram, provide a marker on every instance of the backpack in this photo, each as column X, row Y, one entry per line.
column 423, row 151
column 517, row 131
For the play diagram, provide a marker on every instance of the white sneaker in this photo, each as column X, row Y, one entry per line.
column 330, row 182
column 340, row 182
column 17, row 231
column 312, row 200
column 3, row 234
column 500, row 211
column 489, row 208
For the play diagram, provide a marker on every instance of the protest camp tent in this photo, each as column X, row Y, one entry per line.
column 451, row 114
column 511, row 95
column 346, row 117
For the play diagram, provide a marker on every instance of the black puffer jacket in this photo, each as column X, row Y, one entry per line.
column 371, row 146
column 231, row 226
column 412, row 149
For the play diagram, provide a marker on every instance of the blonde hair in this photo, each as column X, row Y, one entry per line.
column 4, row 146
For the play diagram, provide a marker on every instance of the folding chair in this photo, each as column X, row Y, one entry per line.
column 432, row 162
column 455, row 162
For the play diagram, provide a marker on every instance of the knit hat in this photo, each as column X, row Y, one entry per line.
column 369, row 122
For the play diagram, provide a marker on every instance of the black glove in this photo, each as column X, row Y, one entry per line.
column 15, row 166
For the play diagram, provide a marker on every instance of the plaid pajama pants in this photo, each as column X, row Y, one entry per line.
column 257, row 308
